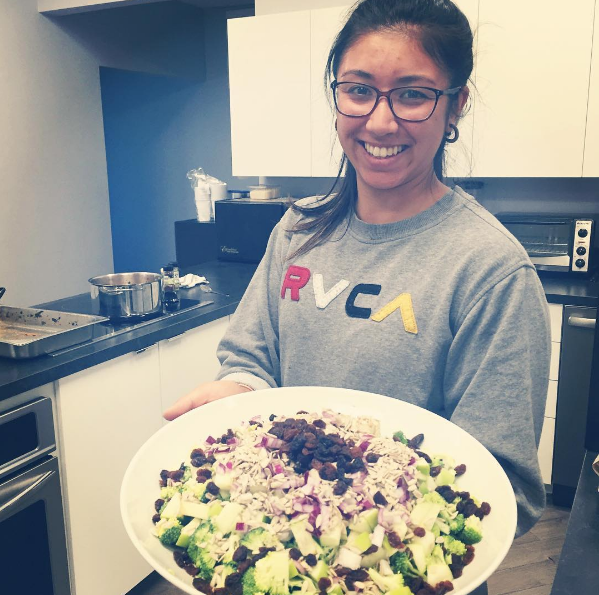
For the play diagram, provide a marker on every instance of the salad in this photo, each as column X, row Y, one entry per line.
column 318, row 503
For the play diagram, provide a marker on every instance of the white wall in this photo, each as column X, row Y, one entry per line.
column 54, row 216
column 273, row 6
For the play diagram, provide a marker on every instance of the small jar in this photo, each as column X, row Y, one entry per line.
column 170, row 285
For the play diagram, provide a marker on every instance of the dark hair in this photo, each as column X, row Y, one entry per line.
column 445, row 35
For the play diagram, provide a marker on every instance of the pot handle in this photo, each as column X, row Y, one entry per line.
column 2, row 291
column 115, row 291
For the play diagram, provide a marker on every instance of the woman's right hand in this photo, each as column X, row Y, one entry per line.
column 204, row 393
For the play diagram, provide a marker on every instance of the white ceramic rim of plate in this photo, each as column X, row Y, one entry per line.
column 230, row 402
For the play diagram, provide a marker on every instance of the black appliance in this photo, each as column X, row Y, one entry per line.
column 555, row 243
column 592, row 428
column 195, row 242
column 33, row 554
column 578, row 333
column 244, row 226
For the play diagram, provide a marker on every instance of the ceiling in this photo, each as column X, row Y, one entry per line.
column 219, row 3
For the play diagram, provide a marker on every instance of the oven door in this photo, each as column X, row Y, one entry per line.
column 33, row 554
column 548, row 240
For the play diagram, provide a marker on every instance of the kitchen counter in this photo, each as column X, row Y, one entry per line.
column 231, row 278
column 17, row 376
column 577, row 571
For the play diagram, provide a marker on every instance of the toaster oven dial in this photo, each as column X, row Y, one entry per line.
column 581, row 250
column 583, row 233
column 580, row 262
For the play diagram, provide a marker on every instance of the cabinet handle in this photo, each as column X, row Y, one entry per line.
column 144, row 349
column 175, row 338
column 30, row 489
column 582, row 322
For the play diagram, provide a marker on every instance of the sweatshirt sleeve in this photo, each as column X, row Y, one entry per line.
column 496, row 381
column 249, row 351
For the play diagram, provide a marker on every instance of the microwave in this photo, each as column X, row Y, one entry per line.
column 555, row 243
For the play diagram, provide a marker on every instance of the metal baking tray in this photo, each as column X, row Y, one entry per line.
column 30, row 332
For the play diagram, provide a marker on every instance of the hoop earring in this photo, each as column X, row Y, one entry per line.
column 456, row 134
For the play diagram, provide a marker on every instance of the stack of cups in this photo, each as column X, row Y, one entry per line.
column 203, row 202
column 218, row 191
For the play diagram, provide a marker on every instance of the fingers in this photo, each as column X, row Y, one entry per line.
column 185, row 404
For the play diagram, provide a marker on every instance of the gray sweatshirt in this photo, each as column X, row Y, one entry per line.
column 443, row 310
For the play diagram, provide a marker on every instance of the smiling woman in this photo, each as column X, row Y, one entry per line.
column 394, row 283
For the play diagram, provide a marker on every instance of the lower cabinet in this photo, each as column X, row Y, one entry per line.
column 104, row 415
column 188, row 360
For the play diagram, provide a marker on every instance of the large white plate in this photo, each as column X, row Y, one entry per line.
column 484, row 478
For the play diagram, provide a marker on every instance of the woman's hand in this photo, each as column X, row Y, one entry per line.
column 206, row 392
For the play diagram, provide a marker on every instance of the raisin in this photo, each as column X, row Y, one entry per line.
column 191, row 569
column 240, row 554
column 316, row 464
column 342, row 570
column 419, row 531
column 380, row 499
column 176, row 475
column 460, row 470
column 243, row 566
column 319, row 423
column 371, row 550
column 340, row 488
column 233, row 579
column 324, row 583
column 416, row 441
column 424, row 456
column 394, row 540
column 294, row 553
column 158, row 504
column 358, row 575
column 485, row 508
column 212, row 488
column 311, row 560
column 355, row 452
column 202, row 585
column 372, row 457
column 328, row 472
column 272, row 417
column 197, row 452
column 181, row 558
column 155, row 518
column 436, row 470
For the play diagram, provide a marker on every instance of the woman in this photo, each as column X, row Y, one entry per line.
column 397, row 284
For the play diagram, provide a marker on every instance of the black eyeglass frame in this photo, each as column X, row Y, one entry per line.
column 438, row 93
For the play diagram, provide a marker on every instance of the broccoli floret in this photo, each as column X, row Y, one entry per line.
column 257, row 538
column 402, row 564
column 435, row 498
column 167, row 492
column 198, row 550
column 457, row 524
column 272, row 573
column 472, row 532
column 400, row 437
column 453, row 546
column 168, row 531
column 248, row 582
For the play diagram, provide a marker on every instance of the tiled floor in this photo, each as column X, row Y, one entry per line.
column 528, row 569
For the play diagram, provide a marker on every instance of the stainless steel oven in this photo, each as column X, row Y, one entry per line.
column 33, row 553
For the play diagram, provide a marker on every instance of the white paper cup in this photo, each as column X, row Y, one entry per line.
column 204, row 210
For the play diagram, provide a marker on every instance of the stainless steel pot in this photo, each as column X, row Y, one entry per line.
column 127, row 295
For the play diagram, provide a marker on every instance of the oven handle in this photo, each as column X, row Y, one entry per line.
column 37, row 484
column 589, row 323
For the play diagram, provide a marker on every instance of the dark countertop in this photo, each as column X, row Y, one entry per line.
column 231, row 278
column 17, row 376
column 576, row 570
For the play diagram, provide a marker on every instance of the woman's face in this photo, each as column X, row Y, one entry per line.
column 387, row 60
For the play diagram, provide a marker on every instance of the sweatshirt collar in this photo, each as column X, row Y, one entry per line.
column 378, row 233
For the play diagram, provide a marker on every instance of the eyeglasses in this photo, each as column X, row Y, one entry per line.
column 413, row 104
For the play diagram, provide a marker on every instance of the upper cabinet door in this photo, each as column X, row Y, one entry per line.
column 591, row 146
column 269, row 77
column 458, row 156
column 532, row 80
column 326, row 150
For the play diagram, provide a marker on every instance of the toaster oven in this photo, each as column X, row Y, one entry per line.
column 555, row 243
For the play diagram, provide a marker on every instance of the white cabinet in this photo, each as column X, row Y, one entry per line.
column 269, row 76
column 188, row 360
column 105, row 414
column 545, row 452
column 73, row 6
column 591, row 145
column 532, row 78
